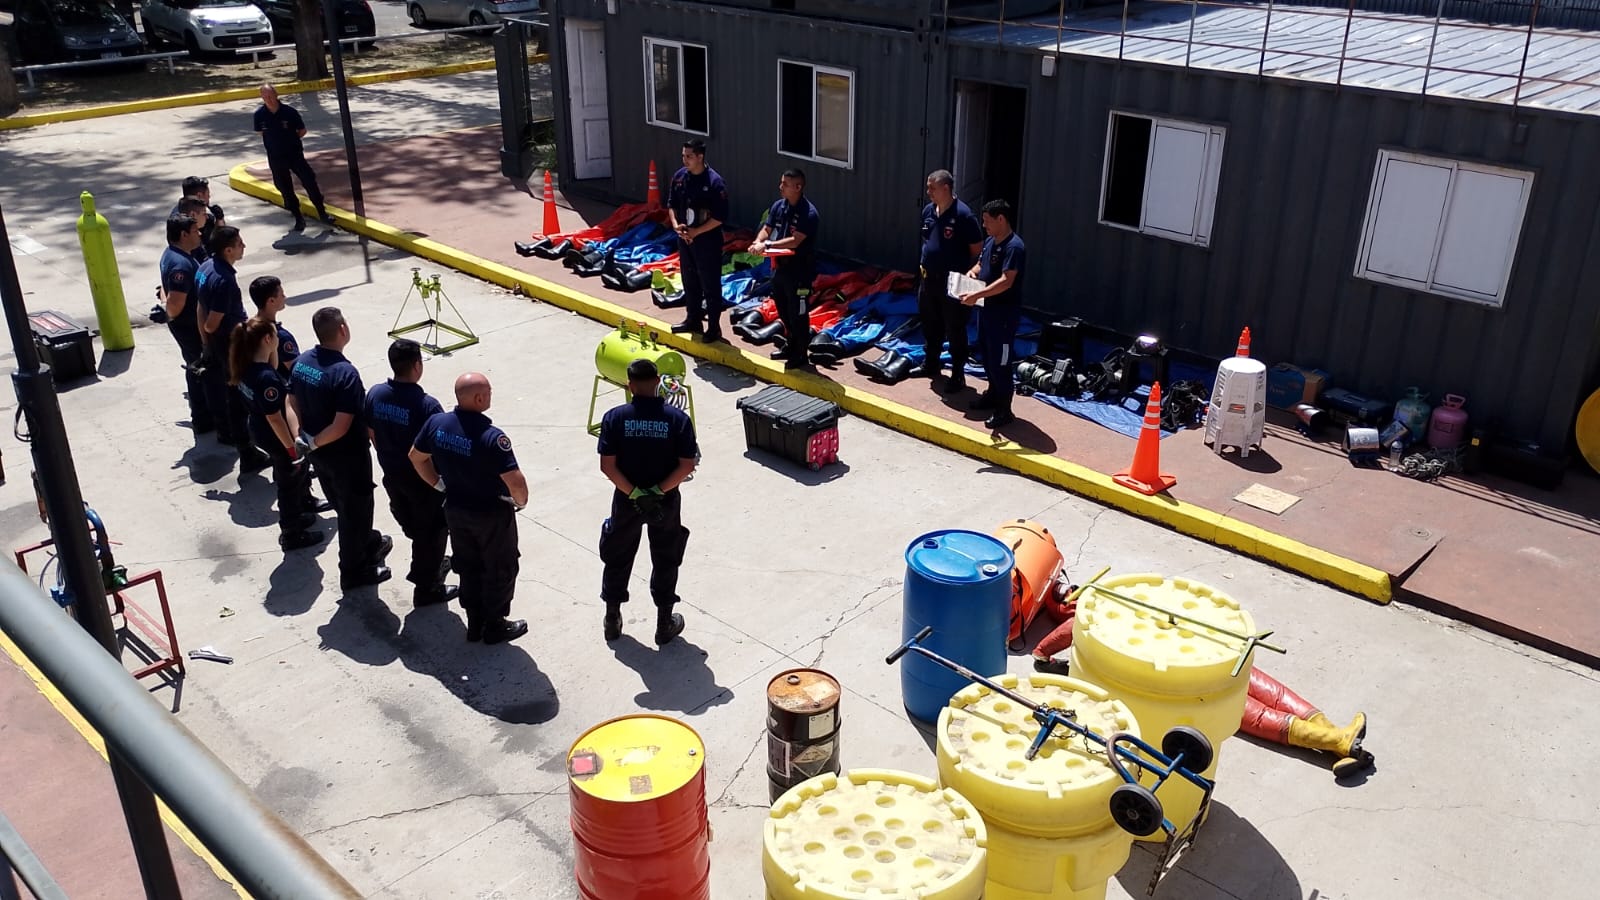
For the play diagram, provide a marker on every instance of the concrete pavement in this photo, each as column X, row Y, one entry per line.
column 424, row 767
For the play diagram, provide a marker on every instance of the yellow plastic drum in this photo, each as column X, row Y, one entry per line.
column 1169, row 673
column 873, row 833
column 1050, row 829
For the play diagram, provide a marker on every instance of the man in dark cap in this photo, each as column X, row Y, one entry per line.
column 647, row 448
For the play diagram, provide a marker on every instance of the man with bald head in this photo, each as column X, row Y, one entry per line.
column 281, row 129
column 463, row 454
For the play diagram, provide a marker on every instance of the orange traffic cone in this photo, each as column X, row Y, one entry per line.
column 1145, row 475
column 652, row 197
column 552, row 223
column 1244, row 342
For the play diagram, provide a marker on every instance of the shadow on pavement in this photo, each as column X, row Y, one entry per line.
column 830, row 472
column 1230, row 858
column 676, row 676
column 206, row 463
column 296, row 582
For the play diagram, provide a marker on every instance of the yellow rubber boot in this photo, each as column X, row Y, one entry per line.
column 1318, row 733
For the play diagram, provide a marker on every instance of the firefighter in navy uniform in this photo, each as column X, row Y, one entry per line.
column 178, row 270
column 791, row 226
column 463, row 454
column 999, row 267
column 220, row 309
column 327, row 397
column 647, row 448
column 395, row 411
column 252, row 370
column 697, row 204
column 951, row 239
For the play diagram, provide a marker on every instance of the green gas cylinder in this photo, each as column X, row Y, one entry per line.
column 105, row 281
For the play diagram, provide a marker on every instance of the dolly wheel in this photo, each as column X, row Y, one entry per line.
column 1194, row 747
column 1135, row 809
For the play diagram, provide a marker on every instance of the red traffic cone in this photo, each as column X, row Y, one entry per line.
column 652, row 197
column 552, row 223
column 1244, row 343
column 1145, row 475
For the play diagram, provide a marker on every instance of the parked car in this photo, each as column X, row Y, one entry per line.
column 207, row 26
column 355, row 18
column 62, row 30
column 466, row 12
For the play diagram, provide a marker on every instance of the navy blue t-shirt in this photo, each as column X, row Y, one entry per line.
column 326, row 384
column 783, row 220
column 947, row 238
column 280, row 131
column 395, row 413
column 705, row 194
column 288, row 350
column 177, row 277
column 997, row 259
column 648, row 438
column 470, row 454
column 263, row 392
column 217, row 288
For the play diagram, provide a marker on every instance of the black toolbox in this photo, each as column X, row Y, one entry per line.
column 793, row 425
column 64, row 345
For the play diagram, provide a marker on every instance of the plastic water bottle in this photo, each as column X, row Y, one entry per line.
column 1395, row 452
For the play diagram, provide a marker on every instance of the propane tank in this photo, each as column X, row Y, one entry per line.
column 1412, row 411
column 1447, row 429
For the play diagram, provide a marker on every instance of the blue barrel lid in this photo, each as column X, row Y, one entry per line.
column 954, row 556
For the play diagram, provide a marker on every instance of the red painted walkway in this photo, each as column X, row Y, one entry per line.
column 1513, row 559
column 57, row 792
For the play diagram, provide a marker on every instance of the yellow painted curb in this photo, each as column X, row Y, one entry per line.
column 69, row 712
column 231, row 94
column 1211, row 527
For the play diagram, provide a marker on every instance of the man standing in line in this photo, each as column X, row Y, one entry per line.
column 178, row 270
column 281, row 129
column 396, row 410
column 200, row 189
column 219, row 310
column 791, row 228
column 647, row 449
column 951, row 238
column 999, row 267
column 697, row 204
column 464, row 455
column 326, row 395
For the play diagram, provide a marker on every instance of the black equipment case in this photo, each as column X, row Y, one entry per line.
column 792, row 425
column 64, row 345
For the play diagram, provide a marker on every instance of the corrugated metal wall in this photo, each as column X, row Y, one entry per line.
column 1296, row 172
column 857, row 204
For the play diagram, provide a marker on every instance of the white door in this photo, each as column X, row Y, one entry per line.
column 586, row 80
column 972, row 140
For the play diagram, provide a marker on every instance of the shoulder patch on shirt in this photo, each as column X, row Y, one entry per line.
column 289, row 347
column 270, row 394
column 503, row 442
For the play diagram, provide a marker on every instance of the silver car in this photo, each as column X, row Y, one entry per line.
column 466, row 12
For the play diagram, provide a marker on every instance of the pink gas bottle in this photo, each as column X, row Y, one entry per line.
column 1447, row 427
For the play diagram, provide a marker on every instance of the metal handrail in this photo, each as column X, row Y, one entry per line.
column 28, row 71
column 16, row 854
column 1525, row 32
column 267, row 857
column 255, row 58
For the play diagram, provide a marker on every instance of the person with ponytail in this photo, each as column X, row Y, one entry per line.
column 253, row 371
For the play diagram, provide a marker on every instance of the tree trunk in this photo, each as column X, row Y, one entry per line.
column 311, row 60
column 10, row 100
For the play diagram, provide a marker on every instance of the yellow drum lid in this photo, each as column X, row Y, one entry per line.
column 1588, row 430
column 635, row 759
column 874, row 833
column 1151, row 641
column 983, row 738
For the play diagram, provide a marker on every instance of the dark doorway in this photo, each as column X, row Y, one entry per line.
column 989, row 120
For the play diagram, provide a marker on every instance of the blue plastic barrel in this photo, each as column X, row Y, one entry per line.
column 958, row 582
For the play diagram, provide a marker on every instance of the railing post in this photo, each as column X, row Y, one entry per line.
column 1344, row 48
column 1266, row 31
column 1122, row 38
column 1000, row 27
column 1527, row 44
column 1188, row 47
column 1433, row 44
column 16, row 854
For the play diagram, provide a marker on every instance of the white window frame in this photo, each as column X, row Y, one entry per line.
column 850, row 141
column 1210, row 174
column 683, row 85
column 1430, row 285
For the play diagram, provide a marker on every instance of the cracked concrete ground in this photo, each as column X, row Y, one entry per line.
column 424, row 767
